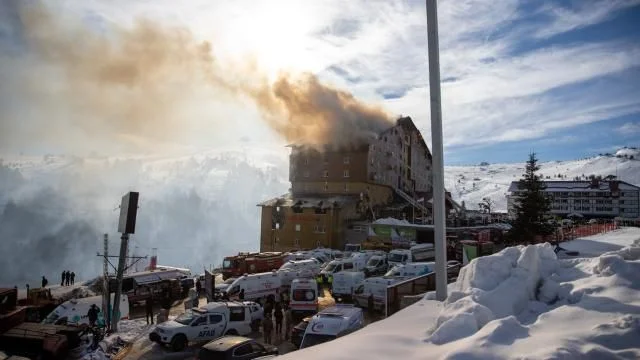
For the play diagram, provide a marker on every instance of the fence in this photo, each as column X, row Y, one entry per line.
column 414, row 286
column 578, row 231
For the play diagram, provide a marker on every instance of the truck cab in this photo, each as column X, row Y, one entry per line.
column 206, row 323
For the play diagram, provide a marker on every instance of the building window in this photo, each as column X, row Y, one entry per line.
column 325, row 173
column 346, row 187
column 346, row 173
column 318, row 243
column 306, row 174
column 296, row 242
column 326, row 187
column 298, row 227
column 319, row 228
column 346, row 160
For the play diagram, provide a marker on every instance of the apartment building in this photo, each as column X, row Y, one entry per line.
column 331, row 188
column 592, row 199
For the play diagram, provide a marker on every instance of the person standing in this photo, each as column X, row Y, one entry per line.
column 67, row 278
column 64, row 276
column 44, row 282
column 241, row 295
column 92, row 314
column 267, row 327
column 288, row 319
column 73, row 277
column 148, row 306
column 277, row 313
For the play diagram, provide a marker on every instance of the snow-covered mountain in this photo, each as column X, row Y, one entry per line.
column 194, row 209
column 472, row 183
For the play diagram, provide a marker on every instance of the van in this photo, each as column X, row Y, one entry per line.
column 331, row 323
column 257, row 287
column 376, row 286
column 303, row 299
column 312, row 265
column 377, row 265
column 417, row 253
column 346, row 264
column 74, row 311
column 411, row 269
column 344, row 283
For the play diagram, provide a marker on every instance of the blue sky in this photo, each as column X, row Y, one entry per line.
column 556, row 77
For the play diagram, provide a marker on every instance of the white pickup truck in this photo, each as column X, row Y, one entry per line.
column 206, row 323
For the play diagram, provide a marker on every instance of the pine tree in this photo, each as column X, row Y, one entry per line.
column 531, row 206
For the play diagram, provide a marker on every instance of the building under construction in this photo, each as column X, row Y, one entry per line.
column 333, row 190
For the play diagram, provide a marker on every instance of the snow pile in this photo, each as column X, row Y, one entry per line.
column 391, row 221
column 128, row 332
column 596, row 245
column 522, row 302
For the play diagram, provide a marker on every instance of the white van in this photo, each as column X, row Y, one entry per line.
column 312, row 265
column 206, row 323
column 304, row 296
column 376, row 286
column 377, row 265
column 344, row 283
column 417, row 253
column 74, row 311
column 257, row 287
column 346, row 264
column 331, row 323
column 411, row 269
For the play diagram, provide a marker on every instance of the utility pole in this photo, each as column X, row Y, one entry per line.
column 126, row 226
column 106, row 292
column 439, row 220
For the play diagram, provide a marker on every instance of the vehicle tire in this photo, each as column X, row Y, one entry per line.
column 179, row 342
column 231, row 332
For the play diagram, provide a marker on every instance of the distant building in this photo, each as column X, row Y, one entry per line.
column 592, row 199
column 333, row 189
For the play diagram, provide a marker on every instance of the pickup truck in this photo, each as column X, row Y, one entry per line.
column 206, row 323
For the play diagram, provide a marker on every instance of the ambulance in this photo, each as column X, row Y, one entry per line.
column 332, row 323
column 304, row 297
column 75, row 311
column 411, row 269
column 257, row 287
column 344, row 283
column 376, row 286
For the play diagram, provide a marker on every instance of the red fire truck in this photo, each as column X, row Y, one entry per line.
column 251, row 263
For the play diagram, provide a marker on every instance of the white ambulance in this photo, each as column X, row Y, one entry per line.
column 331, row 323
column 74, row 311
column 206, row 323
column 411, row 269
column 344, row 283
column 256, row 287
column 376, row 286
column 417, row 253
column 304, row 297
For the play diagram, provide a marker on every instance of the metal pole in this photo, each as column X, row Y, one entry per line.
column 437, row 148
column 106, row 297
column 115, row 313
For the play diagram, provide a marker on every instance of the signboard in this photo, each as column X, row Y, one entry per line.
column 382, row 230
column 209, row 285
column 128, row 212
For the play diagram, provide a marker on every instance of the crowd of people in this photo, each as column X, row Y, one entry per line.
column 68, row 278
column 275, row 315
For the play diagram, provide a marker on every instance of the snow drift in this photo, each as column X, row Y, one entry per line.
column 523, row 303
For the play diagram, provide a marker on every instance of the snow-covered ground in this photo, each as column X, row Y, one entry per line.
column 522, row 303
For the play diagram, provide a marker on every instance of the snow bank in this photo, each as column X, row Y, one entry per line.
column 596, row 245
column 521, row 302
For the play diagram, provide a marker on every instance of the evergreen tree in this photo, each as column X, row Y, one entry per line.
column 531, row 206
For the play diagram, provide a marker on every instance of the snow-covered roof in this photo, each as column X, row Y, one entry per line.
column 557, row 186
column 289, row 200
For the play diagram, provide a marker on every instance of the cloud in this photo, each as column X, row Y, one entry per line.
column 628, row 129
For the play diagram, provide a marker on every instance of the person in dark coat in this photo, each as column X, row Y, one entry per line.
column 92, row 314
column 73, row 277
column 198, row 287
column 267, row 327
column 241, row 295
column 148, row 306
column 67, row 278
column 64, row 276
column 166, row 302
column 44, row 282
column 278, row 316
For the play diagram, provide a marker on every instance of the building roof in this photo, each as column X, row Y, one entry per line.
column 326, row 202
column 567, row 186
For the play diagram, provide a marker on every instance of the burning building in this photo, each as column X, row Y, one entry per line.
column 335, row 187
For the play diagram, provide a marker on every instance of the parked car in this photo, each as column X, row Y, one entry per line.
column 298, row 332
column 235, row 348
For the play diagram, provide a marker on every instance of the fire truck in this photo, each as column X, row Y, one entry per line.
column 251, row 263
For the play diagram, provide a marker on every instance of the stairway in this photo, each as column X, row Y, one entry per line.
column 411, row 200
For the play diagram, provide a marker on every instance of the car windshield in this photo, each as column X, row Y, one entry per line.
column 226, row 264
column 303, row 295
column 315, row 339
column 331, row 266
column 186, row 318
column 396, row 257
column 373, row 262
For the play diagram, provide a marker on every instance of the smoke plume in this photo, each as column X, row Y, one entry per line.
column 142, row 82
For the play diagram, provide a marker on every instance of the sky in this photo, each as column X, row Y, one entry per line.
column 560, row 78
